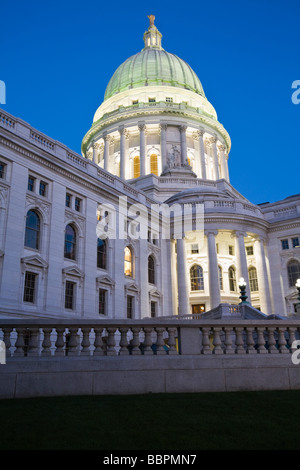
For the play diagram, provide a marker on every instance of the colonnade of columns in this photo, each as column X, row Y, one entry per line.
column 219, row 162
column 183, row 280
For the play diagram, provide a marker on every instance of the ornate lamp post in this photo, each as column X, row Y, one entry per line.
column 242, row 286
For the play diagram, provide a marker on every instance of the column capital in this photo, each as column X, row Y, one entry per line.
column 142, row 126
column 213, row 139
column 163, row 126
column 183, row 127
column 213, row 232
column 121, row 130
column 239, row 234
column 201, row 131
column 222, row 147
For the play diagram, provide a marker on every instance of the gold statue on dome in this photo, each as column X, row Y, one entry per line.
column 151, row 18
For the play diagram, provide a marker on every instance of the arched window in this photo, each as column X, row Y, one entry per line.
column 128, row 262
column 293, row 269
column 136, row 167
column 197, row 280
column 220, row 277
column 101, row 253
column 232, row 279
column 32, row 230
column 253, row 279
column 151, row 270
column 70, row 242
column 154, row 164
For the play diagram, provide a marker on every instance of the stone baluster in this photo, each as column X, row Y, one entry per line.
column 292, row 338
column 148, row 341
column 111, row 343
column 135, row 341
column 206, row 349
column 228, row 341
column 239, row 340
column 19, row 345
column 123, row 342
column 160, row 341
column 271, row 341
column 6, row 339
column 250, row 340
column 282, row 341
column 46, row 344
column 217, row 341
column 60, row 342
column 85, row 343
column 33, row 345
column 261, row 342
column 98, row 343
column 72, row 347
column 172, row 341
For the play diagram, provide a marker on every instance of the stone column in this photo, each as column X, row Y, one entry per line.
column 223, row 161
column 106, row 139
column 262, row 277
column 183, row 144
column 213, row 274
column 122, row 152
column 213, row 141
column 242, row 267
column 163, row 145
column 202, row 154
column 95, row 147
column 182, row 282
column 142, row 129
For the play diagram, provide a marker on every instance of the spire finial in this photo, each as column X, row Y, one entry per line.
column 151, row 18
column 152, row 37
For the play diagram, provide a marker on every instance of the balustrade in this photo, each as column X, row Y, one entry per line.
column 159, row 337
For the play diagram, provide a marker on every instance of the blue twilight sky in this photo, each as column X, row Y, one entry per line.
column 58, row 56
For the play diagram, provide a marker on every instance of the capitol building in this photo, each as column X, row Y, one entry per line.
column 81, row 235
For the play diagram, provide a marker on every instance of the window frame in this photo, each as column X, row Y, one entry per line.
column 33, row 289
column 73, row 243
column 36, row 231
column 196, row 281
column 73, row 298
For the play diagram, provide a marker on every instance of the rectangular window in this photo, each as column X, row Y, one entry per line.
column 249, row 250
column 2, row 169
column 77, row 204
column 43, row 189
column 29, row 287
column 295, row 242
column 153, row 309
column 169, row 100
column 195, row 248
column 152, row 100
column 31, row 180
column 69, row 295
column 231, row 250
column 135, row 102
column 102, row 301
column 68, row 200
column 130, row 300
column 285, row 244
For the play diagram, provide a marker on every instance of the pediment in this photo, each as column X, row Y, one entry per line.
column 155, row 293
column 107, row 280
column 35, row 261
column 73, row 271
column 131, row 286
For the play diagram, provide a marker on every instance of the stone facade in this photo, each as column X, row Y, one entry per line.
column 149, row 145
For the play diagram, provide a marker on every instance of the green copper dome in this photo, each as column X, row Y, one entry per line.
column 153, row 66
